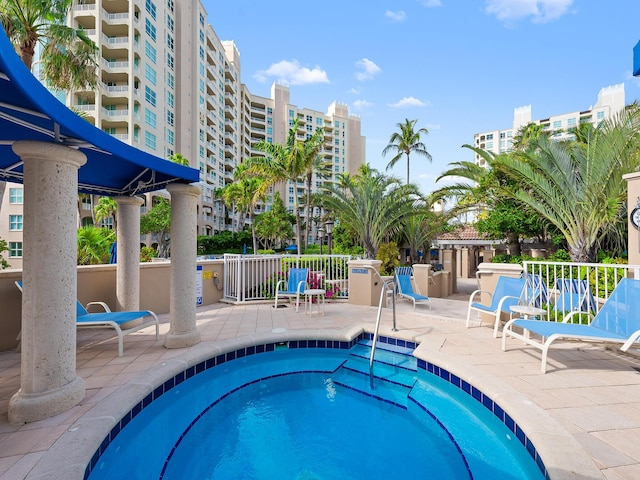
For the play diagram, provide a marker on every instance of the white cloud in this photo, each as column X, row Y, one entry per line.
column 399, row 16
column 368, row 69
column 408, row 102
column 292, row 73
column 431, row 3
column 541, row 11
column 362, row 104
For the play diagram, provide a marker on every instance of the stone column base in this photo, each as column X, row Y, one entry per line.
column 181, row 340
column 31, row 407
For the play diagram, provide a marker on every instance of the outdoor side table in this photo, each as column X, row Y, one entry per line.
column 309, row 295
column 528, row 311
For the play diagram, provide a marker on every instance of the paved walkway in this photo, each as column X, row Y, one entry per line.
column 586, row 408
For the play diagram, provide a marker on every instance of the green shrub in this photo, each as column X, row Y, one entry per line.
column 388, row 254
column 147, row 253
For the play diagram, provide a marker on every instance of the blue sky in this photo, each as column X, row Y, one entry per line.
column 457, row 66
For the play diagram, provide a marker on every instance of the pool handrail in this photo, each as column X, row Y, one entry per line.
column 385, row 286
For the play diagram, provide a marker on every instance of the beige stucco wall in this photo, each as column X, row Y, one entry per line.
column 98, row 283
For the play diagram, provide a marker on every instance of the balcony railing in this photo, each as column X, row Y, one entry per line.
column 255, row 277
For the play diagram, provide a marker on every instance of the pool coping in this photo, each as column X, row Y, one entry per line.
column 70, row 456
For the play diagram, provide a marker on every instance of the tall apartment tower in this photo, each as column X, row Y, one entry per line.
column 168, row 85
column 610, row 101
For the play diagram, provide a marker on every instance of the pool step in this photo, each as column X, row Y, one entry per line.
column 394, row 373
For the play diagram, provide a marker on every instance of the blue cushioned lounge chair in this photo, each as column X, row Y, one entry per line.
column 507, row 293
column 405, row 289
column 574, row 295
column 115, row 320
column 296, row 285
column 617, row 321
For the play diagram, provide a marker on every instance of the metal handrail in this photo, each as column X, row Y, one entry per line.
column 385, row 286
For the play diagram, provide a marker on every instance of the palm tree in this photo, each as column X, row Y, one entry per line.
column 405, row 142
column 93, row 245
column 106, row 208
column 243, row 195
column 314, row 163
column 372, row 205
column 577, row 186
column 68, row 55
column 282, row 163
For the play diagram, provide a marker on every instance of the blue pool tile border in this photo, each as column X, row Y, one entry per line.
column 490, row 405
column 431, row 368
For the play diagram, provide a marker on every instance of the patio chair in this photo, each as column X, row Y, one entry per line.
column 507, row 293
column 115, row 320
column 574, row 295
column 295, row 285
column 536, row 293
column 404, row 288
column 617, row 321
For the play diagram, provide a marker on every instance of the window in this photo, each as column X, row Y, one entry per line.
column 201, row 151
column 107, row 223
column 15, row 223
column 150, row 96
column 571, row 122
column 170, row 137
column 170, row 22
column 170, row 118
column 15, row 196
column 150, row 29
column 150, row 140
column 86, row 203
column 151, row 8
column 170, row 41
column 150, row 118
column 600, row 115
column 501, row 135
column 557, row 124
column 201, row 53
column 170, row 5
column 202, row 19
column 201, row 36
column 150, row 74
column 170, row 80
column 270, row 130
column 490, row 136
column 170, row 61
column 15, row 249
column 291, row 113
column 149, row 51
column 170, row 99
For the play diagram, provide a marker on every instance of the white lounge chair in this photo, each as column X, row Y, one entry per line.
column 405, row 288
column 617, row 321
column 115, row 320
column 296, row 285
column 507, row 293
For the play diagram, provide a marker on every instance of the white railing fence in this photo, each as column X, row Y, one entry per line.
column 586, row 286
column 255, row 277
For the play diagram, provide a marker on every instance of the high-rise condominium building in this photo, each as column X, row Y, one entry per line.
column 610, row 102
column 168, row 85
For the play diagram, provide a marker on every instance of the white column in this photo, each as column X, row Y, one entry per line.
column 48, row 381
column 184, row 200
column 128, row 254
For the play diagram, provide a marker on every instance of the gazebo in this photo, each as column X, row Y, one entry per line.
column 56, row 154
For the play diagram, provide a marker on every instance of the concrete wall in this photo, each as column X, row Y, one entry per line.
column 98, row 283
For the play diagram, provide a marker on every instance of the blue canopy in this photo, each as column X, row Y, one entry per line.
column 28, row 111
column 636, row 60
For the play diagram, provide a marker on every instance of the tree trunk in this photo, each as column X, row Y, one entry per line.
column 513, row 244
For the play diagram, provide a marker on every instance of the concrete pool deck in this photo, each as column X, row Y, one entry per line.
column 586, row 408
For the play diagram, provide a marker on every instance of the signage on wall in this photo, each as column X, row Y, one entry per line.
column 198, row 284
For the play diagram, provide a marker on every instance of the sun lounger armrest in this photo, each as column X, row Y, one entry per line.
column 280, row 282
column 102, row 304
column 504, row 299
column 475, row 292
column 302, row 286
column 569, row 316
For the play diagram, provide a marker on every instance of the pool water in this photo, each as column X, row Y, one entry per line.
column 310, row 414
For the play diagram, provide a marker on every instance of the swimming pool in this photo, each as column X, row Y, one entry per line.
column 302, row 410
